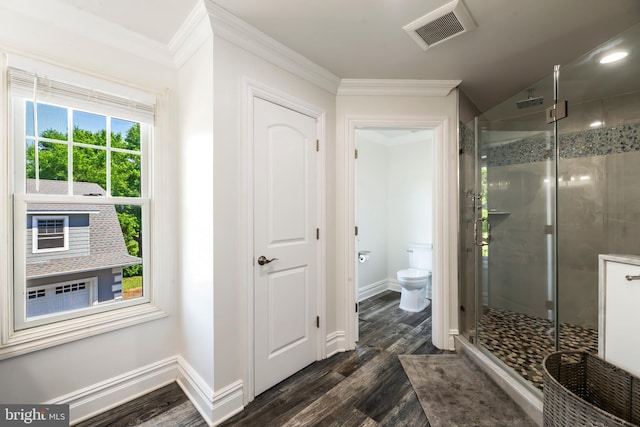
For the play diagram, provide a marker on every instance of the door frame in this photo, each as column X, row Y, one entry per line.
column 444, row 277
column 251, row 91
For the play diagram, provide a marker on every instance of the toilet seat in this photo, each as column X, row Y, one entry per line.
column 411, row 275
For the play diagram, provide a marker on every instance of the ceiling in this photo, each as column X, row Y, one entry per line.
column 516, row 42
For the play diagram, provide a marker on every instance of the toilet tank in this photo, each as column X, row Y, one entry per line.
column 420, row 257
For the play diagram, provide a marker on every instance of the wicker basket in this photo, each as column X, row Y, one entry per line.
column 581, row 389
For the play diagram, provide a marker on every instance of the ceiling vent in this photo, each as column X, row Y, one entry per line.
column 442, row 24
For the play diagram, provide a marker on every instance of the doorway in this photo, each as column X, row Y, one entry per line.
column 444, row 270
column 394, row 204
column 285, row 302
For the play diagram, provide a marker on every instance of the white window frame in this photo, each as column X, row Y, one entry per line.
column 16, row 336
column 35, row 233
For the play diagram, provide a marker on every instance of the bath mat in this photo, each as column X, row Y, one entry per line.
column 454, row 392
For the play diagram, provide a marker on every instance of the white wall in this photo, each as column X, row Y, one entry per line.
column 82, row 367
column 410, row 200
column 195, row 114
column 372, row 217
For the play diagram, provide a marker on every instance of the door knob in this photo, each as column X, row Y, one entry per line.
column 263, row 260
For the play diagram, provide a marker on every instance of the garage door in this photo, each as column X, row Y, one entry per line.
column 58, row 297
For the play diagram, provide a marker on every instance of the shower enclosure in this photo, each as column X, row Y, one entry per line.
column 549, row 180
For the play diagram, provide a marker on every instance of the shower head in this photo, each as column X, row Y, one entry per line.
column 530, row 101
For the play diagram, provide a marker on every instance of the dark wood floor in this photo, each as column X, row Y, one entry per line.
column 167, row 406
column 364, row 387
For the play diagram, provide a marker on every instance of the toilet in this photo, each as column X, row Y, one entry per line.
column 416, row 280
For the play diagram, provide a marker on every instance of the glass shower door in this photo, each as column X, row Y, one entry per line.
column 514, row 238
column 598, row 191
column 545, row 199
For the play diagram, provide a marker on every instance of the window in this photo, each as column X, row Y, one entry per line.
column 49, row 233
column 81, row 191
column 40, row 293
column 75, row 287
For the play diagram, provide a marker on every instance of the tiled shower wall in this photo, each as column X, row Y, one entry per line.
column 599, row 212
column 588, row 143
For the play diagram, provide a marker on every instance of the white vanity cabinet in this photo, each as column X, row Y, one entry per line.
column 619, row 311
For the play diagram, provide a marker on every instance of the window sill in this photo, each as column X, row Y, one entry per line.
column 42, row 337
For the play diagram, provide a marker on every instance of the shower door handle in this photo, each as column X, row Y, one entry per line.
column 477, row 234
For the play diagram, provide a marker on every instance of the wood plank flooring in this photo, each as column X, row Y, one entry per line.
column 364, row 387
column 168, row 403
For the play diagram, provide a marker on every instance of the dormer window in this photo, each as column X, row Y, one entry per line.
column 50, row 233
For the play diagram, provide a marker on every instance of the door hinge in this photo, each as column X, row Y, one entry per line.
column 356, row 230
column 317, row 321
column 317, row 145
column 356, row 154
column 548, row 229
column 557, row 111
column 356, row 307
column 317, row 234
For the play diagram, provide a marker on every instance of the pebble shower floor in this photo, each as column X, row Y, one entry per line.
column 522, row 342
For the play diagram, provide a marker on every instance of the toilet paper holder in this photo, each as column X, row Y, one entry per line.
column 363, row 256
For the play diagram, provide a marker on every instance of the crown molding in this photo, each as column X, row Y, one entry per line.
column 193, row 32
column 229, row 27
column 390, row 87
column 84, row 25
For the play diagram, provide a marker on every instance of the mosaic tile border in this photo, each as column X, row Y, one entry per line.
column 467, row 139
column 587, row 143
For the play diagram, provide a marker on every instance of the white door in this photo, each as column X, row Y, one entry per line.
column 285, row 221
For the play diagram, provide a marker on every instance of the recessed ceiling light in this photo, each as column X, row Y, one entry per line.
column 613, row 57
column 596, row 124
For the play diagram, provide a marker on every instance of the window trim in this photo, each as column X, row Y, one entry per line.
column 35, row 233
column 27, row 341
column 18, row 342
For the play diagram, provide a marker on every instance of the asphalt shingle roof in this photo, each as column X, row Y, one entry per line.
column 107, row 247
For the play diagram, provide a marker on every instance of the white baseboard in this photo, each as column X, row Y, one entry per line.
column 394, row 285
column 215, row 407
column 336, row 343
column 196, row 389
column 453, row 334
column 100, row 397
column 372, row 289
column 227, row 402
column 377, row 288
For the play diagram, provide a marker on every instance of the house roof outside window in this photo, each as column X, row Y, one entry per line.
column 107, row 247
